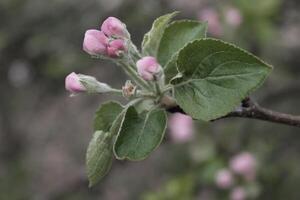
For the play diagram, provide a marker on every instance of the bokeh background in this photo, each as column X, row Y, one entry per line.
column 44, row 133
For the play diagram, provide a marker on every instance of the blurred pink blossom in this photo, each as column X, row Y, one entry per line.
column 181, row 128
column 72, row 83
column 245, row 165
column 112, row 26
column 233, row 17
column 224, row 179
column 238, row 193
column 214, row 24
column 95, row 42
column 147, row 68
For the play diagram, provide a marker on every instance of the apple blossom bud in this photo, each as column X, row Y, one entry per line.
column 115, row 48
column 233, row 17
column 181, row 128
column 224, row 179
column 114, row 27
column 95, row 42
column 238, row 193
column 148, row 68
column 72, row 83
column 244, row 164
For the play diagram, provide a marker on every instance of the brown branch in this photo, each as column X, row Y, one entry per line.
column 252, row 110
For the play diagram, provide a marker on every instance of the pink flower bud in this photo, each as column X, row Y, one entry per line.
column 233, row 17
column 181, row 128
column 212, row 17
column 115, row 47
column 114, row 27
column 148, row 67
column 72, row 83
column 238, row 193
column 95, row 42
column 224, row 179
column 244, row 164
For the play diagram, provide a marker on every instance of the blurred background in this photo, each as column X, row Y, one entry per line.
column 44, row 133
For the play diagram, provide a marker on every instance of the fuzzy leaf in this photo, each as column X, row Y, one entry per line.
column 106, row 115
column 140, row 134
column 217, row 76
column 99, row 156
column 152, row 38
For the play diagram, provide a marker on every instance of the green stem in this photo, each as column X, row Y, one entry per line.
column 157, row 88
column 116, row 91
column 167, row 88
column 136, row 78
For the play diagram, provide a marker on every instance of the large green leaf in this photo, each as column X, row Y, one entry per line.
column 177, row 35
column 216, row 76
column 99, row 156
column 140, row 134
column 106, row 115
column 152, row 38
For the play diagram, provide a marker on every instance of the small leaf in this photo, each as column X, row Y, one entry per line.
column 177, row 35
column 99, row 156
column 152, row 38
column 217, row 76
column 140, row 134
column 106, row 115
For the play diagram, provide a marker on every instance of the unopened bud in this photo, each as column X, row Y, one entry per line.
column 115, row 48
column 95, row 42
column 148, row 68
column 113, row 27
column 73, row 84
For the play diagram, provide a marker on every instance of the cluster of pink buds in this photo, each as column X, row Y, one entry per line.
column 181, row 128
column 109, row 41
column 243, row 165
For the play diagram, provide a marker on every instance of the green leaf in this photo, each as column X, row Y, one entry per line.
column 170, row 69
column 140, row 134
column 99, row 156
column 106, row 115
column 177, row 35
column 100, row 153
column 152, row 38
column 217, row 76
